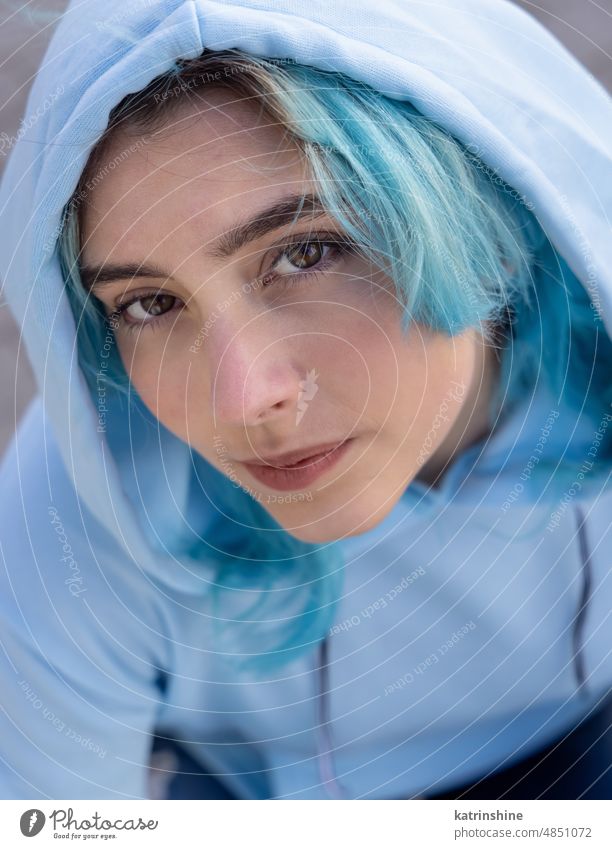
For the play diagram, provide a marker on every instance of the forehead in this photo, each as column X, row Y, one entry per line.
column 215, row 153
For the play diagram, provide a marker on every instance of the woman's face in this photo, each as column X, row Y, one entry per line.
column 249, row 336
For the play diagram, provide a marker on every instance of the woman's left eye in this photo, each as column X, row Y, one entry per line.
column 300, row 259
column 304, row 255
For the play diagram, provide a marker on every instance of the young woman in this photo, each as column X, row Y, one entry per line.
column 314, row 498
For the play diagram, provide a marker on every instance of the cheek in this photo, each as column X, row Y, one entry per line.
column 390, row 374
column 163, row 373
column 437, row 372
column 357, row 366
column 417, row 379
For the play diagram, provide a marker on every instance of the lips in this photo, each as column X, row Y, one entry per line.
column 303, row 473
column 292, row 458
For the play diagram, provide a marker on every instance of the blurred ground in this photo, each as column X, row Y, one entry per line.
column 585, row 26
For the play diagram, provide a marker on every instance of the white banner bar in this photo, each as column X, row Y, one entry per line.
column 306, row 824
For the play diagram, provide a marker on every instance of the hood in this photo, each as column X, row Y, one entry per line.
column 483, row 69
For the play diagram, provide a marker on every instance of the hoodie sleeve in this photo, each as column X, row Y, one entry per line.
column 79, row 640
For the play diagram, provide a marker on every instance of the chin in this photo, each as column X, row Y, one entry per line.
column 344, row 523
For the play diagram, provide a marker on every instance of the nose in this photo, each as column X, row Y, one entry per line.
column 255, row 378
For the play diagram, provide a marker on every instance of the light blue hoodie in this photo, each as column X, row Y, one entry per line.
column 475, row 621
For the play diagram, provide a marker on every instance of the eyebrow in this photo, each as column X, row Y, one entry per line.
column 283, row 212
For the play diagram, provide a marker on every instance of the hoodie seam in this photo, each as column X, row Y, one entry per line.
column 580, row 617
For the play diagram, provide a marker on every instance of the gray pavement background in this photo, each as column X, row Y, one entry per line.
column 585, row 26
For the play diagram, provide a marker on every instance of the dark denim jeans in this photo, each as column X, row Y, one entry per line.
column 179, row 776
column 576, row 766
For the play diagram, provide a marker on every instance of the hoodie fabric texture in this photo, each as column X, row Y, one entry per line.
column 475, row 621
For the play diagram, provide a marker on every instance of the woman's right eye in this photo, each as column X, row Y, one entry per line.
column 147, row 309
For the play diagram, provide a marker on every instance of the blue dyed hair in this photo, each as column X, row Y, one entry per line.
column 464, row 251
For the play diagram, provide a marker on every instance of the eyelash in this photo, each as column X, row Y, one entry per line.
column 340, row 247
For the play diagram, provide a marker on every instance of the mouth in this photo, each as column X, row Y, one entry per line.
column 293, row 458
column 302, row 472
